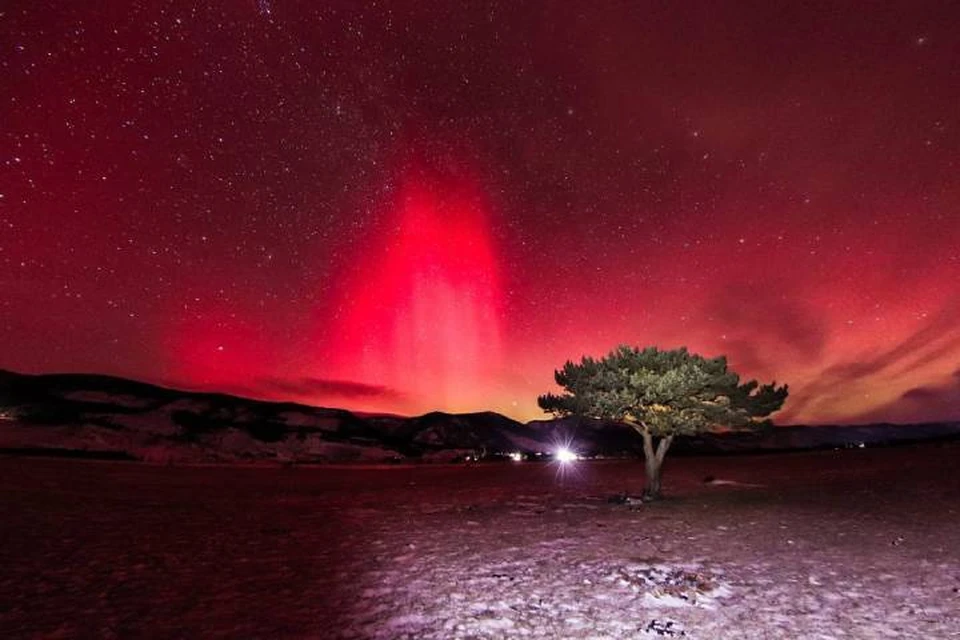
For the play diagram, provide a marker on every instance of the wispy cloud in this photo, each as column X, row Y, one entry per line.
column 313, row 387
column 926, row 403
column 763, row 322
column 936, row 339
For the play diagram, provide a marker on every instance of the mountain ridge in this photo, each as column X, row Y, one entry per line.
column 115, row 416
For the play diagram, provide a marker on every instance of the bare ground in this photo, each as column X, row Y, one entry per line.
column 845, row 544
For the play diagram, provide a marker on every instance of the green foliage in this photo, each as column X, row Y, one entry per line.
column 664, row 393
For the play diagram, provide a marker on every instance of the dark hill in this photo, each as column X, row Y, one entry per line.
column 93, row 415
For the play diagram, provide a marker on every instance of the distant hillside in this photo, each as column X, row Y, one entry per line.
column 104, row 416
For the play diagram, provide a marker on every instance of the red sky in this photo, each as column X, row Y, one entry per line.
column 425, row 205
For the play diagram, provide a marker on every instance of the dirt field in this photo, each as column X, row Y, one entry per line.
column 832, row 545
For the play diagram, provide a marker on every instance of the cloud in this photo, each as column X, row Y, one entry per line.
column 766, row 319
column 336, row 388
column 927, row 403
column 938, row 338
column 931, row 342
column 745, row 356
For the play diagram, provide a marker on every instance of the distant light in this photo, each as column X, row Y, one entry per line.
column 564, row 455
column 516, row 456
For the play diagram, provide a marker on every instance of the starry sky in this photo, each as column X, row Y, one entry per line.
column 416, row 205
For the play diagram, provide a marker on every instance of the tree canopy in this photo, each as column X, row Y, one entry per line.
column 662, row 393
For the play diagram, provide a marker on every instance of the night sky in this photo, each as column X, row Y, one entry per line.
column 407, row 206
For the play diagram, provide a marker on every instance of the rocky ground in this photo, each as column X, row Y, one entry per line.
column 838, row 544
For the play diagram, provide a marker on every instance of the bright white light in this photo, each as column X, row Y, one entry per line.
column 565, row 455
column 516, row 456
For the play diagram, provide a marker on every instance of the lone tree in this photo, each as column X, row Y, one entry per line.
column 662, row 394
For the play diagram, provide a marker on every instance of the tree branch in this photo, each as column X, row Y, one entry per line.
column 648, row 451
column 663, row 447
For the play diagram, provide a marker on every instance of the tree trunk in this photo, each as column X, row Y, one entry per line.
column 651, row 491
column 653, row 464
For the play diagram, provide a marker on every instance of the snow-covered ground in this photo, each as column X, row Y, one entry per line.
column 814, row 545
